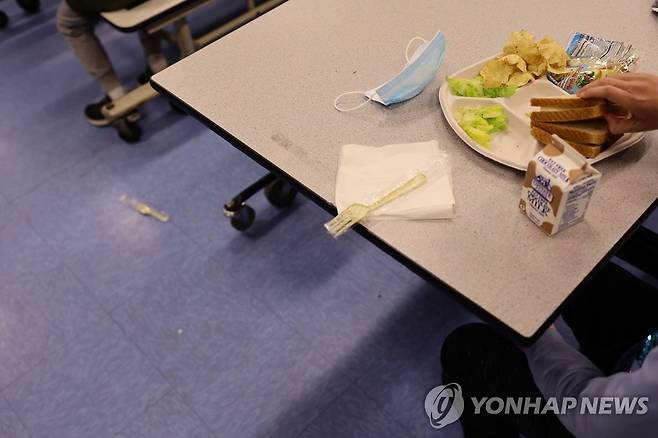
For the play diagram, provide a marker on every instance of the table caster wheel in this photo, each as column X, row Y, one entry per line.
column 3, row 20
column 128, row 131
column 30, row 6
column 242, row 218
column 280, row 194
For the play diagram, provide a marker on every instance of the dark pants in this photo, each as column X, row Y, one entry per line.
column 612, row 315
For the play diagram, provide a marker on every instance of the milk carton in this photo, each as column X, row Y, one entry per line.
column 558, row 186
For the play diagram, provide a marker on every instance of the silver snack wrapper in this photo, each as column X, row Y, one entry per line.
column 593, row 57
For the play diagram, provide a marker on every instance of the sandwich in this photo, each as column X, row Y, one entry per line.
column 580, row 122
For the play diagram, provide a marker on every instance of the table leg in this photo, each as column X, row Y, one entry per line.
column 184, row 37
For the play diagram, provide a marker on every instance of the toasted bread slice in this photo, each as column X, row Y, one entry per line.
column 565, row 102
column 586, row 150
column 558, row 114
column 593, row 132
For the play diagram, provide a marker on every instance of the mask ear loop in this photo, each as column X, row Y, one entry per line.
column 411, row 41
column 346, row 110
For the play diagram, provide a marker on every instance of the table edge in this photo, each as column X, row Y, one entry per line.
column 434, row 281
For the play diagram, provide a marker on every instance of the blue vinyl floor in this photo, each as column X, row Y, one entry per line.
column 115, row 325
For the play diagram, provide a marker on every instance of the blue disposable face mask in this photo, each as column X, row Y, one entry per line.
column 420, row 70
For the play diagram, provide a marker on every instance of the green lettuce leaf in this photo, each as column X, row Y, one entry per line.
column 475, row 88
column 481, row 122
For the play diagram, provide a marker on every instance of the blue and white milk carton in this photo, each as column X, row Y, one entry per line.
column 558, row 186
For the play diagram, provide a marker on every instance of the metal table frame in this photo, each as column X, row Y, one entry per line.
column 119, row 111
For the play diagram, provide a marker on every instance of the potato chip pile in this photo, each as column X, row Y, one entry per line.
column 523, row 60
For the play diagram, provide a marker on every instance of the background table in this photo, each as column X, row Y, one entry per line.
column 269, row 88
column 151, row 11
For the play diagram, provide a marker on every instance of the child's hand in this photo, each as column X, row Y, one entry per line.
column 635, row 92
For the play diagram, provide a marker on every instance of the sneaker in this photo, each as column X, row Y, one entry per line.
column 94, row 112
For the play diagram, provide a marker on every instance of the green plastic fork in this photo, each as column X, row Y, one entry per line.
column 357, row 212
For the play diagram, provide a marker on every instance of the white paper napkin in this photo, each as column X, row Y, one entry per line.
column 365, row 173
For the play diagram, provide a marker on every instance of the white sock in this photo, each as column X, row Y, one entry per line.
column 157, row 62
column 116, row 92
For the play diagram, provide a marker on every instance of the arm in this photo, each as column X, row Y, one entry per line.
column 561, row 371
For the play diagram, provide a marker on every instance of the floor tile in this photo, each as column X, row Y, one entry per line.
column 260, row 388
column 21, row 173
column 39, row 315
column 354, row 415
column 105, row 243
column 22, row 251
column 22, row 28
column 10, row 424
column 168, row 418
column 189, row 175
column 229, row 356
column 93, row 388
column 348, row 299
column 170, row 314
column 58, row 135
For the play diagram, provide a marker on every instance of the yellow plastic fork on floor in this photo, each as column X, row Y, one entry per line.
column 357, row 212
column 144, row 209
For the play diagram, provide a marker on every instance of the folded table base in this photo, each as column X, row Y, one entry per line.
column 278, row 192
column 121, row 112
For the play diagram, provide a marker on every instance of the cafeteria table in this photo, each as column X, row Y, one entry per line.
column 153, row 16
column 268, row 88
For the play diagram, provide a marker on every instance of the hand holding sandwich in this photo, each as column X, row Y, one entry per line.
column 635, row 92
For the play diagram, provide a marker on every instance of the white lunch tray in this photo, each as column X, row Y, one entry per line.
column 516, row 146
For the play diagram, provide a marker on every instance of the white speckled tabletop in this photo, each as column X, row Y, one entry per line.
column 272, row 83
column 135, row 17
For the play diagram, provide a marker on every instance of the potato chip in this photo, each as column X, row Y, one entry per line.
column 515, row 60
column 519, row 79
column 538, row 67
column 496, row 73
column 554, row 54
column 522, row 43
column 523, row 60
column 518, row 40
column 558, row 70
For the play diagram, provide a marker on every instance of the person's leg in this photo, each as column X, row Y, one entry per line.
column 641, row 251
column 153, row 51
column 613, row 314
column 78, row 29
column 486, row 364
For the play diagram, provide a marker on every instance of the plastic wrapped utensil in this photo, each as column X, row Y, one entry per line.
column 144, row 209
